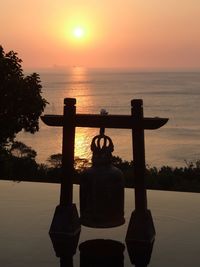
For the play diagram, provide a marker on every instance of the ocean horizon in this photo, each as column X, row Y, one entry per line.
column 169, row 94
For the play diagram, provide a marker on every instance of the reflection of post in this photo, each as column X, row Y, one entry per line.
column 66, row 262
column 140, row 253
column 68, row 151
column 139, row 156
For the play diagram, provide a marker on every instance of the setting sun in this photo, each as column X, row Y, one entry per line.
column 78, row 35
column 78, row 32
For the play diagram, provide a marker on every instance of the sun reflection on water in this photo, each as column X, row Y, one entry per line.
column 82, row 143
column 79, row 88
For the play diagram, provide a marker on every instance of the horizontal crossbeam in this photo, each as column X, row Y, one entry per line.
column 107, row 121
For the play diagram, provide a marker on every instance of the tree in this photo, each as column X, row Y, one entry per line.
column 55, row 160
column 80, row 164
column 22, row 162
column 20, row 150
column 21, row 103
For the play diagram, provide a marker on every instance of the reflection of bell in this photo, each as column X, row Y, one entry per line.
column 102, row 188
column 101, row 252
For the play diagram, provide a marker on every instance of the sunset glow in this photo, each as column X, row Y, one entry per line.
column 135, row 34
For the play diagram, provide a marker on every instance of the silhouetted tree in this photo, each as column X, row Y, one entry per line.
column 81, row 164
column 55, row 160
column 21, row 102
column 20, row 150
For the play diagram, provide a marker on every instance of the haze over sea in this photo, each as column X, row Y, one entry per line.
column 174, row 95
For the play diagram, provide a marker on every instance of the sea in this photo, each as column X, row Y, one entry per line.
column 172, row 95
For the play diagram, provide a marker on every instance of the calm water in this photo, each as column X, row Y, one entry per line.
column 27, row 210
column 173, row 95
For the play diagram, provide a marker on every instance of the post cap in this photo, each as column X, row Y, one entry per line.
column 70, row 101
column 136, row 102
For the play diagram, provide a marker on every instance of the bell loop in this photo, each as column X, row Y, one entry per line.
column 102, row 148
column 107, row 144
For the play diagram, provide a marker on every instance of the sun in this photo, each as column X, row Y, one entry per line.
column 78, row 32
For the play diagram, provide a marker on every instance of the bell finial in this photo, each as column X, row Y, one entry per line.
column 102, row 143
column 102, row 148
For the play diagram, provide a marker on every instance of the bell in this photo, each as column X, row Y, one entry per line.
column 102, row 188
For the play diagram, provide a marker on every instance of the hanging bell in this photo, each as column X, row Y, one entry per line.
column 102, row 188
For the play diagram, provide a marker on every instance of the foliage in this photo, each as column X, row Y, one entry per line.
column 18, row 161
column 55, row 160
column 23, row 167
column 80, row 164
column 122, row 164
column 175, row 179
column 20, row 150
column 21, row 102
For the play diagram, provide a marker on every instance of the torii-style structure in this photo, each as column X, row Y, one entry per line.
column 66, row 219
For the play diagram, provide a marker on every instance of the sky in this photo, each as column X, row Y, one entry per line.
column 139, row 34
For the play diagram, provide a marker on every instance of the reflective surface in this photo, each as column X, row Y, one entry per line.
column 27, row 210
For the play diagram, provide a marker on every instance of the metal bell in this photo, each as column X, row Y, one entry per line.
column 102, row 188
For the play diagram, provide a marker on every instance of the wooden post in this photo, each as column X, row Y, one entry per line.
column 66, row 194
column 141, row 232
column 139, row 156
column 65, row 227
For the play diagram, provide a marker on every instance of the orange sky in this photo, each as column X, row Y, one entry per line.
column 127, row 34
